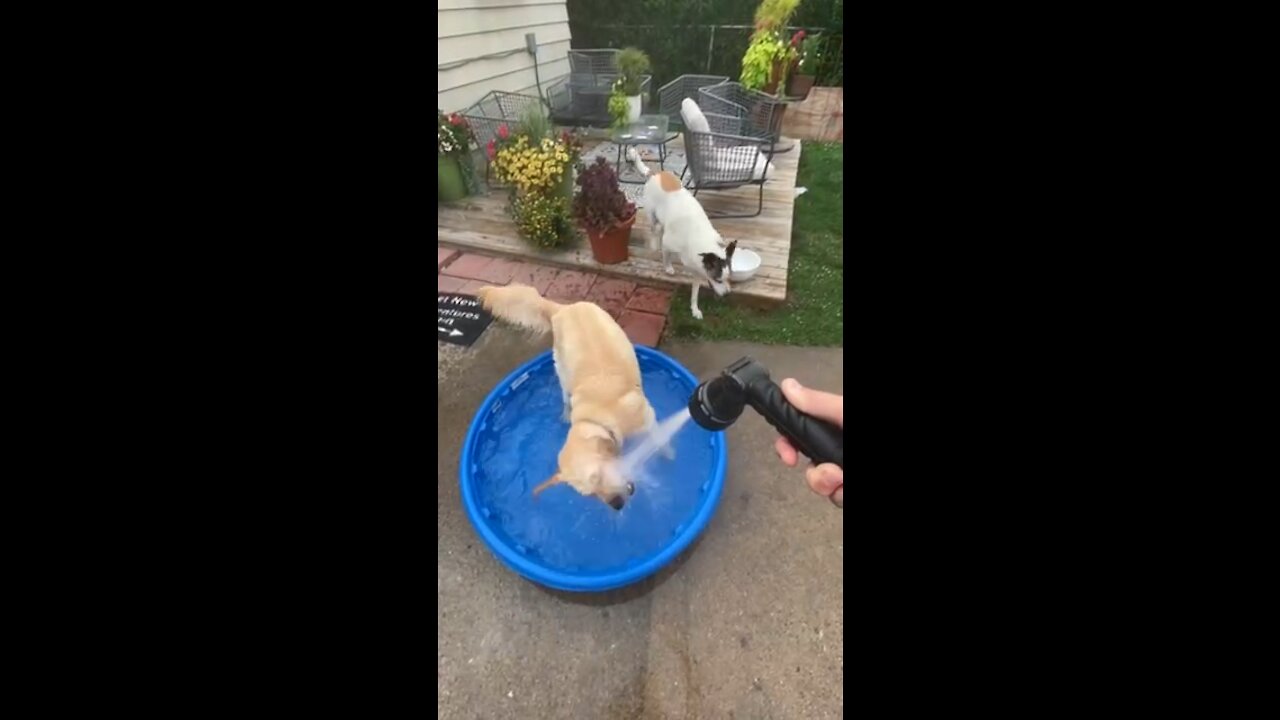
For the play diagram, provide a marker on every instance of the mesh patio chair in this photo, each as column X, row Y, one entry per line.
column 495, row 110
column 686, row 86
column 594, row 61
column 759, row 116
column 582, row 98
column 724, row 160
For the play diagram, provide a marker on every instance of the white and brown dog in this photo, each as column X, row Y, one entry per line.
column 683, row 228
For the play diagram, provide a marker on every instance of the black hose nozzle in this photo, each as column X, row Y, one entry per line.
column 717, row 403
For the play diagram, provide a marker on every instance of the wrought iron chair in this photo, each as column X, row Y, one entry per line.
column 724, row 160
column 671, row 95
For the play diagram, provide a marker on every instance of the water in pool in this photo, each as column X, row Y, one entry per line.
column 563, row 530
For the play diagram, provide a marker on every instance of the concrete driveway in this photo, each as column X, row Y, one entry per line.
column 747, row 623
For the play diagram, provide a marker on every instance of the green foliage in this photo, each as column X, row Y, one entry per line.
column 535, row 123
column 678, row 37
column 632, row 63
column 774, row 15
column 810, row 52
column 619, row 109
column 544, row 219
column 758, row 60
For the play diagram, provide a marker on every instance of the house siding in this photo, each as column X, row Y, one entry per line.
column 467, row 30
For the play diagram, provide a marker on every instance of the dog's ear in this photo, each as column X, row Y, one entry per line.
column 606, row 446
column 728, row 252
column 554, row 479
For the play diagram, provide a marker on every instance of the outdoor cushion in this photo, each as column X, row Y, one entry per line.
column 693, row 117
column 762, row 166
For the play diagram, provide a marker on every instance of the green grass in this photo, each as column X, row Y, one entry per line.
column 814, row 311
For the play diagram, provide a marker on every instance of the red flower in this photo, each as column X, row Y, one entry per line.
column 795, row 39
column 455, row 120
column 503, row 132
column 492, row 152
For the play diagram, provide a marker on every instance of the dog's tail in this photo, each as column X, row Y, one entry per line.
column 635, row 160
column 519, row 305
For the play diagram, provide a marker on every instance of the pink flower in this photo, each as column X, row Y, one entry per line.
column 503, row 132
column 795, row 39
column 491, row 150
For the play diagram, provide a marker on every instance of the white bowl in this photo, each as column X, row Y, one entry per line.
column 745, row 264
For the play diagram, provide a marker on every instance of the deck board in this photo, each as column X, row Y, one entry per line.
column 482, row 223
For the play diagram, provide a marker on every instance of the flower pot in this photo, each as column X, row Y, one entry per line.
column 450, row 185
column 614, row 245
column 633, row 108
column 775, row 77
column 799, row 86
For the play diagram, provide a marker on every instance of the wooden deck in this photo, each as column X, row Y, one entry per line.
column 481, row 223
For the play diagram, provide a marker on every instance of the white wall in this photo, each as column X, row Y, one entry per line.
column 467, row 29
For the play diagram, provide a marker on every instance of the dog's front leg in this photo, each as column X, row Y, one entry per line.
column 693, row 299
column 666, row 263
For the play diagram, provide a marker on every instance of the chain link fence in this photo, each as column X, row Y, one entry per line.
column 701, row 36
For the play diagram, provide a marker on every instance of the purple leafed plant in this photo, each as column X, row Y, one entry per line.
column 601, row 206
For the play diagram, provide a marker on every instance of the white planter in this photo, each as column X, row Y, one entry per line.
column 633, row 108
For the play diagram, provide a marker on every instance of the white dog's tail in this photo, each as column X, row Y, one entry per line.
column 519, row 305
column 635, row 160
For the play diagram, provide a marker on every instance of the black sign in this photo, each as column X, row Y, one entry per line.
column 459, row 318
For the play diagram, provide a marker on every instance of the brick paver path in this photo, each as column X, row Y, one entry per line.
column 640, row 310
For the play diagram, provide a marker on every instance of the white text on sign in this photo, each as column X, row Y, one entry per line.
column 455, row 300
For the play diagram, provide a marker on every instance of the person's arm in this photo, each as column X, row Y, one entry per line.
column 826, row 479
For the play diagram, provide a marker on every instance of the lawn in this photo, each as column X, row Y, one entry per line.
column 814, row 311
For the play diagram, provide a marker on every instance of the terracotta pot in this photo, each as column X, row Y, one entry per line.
column 799, row 86
column 614, row 245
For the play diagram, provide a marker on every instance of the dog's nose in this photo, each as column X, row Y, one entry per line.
column 616, row 502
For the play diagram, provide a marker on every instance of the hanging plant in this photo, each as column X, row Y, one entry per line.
column 765, row 61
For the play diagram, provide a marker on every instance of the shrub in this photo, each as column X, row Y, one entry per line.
column 601, row 205
column 543, row 219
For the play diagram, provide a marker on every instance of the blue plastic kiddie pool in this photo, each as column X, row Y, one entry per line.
column 562, row 539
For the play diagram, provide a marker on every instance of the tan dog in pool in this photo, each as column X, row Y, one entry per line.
column 599, row 380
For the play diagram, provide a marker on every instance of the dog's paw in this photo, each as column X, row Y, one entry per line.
column 670, row 270
column 697, row 314
column 668, row 452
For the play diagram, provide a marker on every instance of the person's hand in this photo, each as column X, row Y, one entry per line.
column 826, row 479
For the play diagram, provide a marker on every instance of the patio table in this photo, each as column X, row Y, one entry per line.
column 647, row 130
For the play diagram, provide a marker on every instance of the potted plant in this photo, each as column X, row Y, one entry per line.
column 764, row 65
column 453, row 144
column 632, row 65
column 534, row 165
column 604, row 212
column 619, row 107
column 801, row 75
column 544, row 220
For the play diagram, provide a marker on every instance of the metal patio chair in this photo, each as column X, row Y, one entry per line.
column 724, row 160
